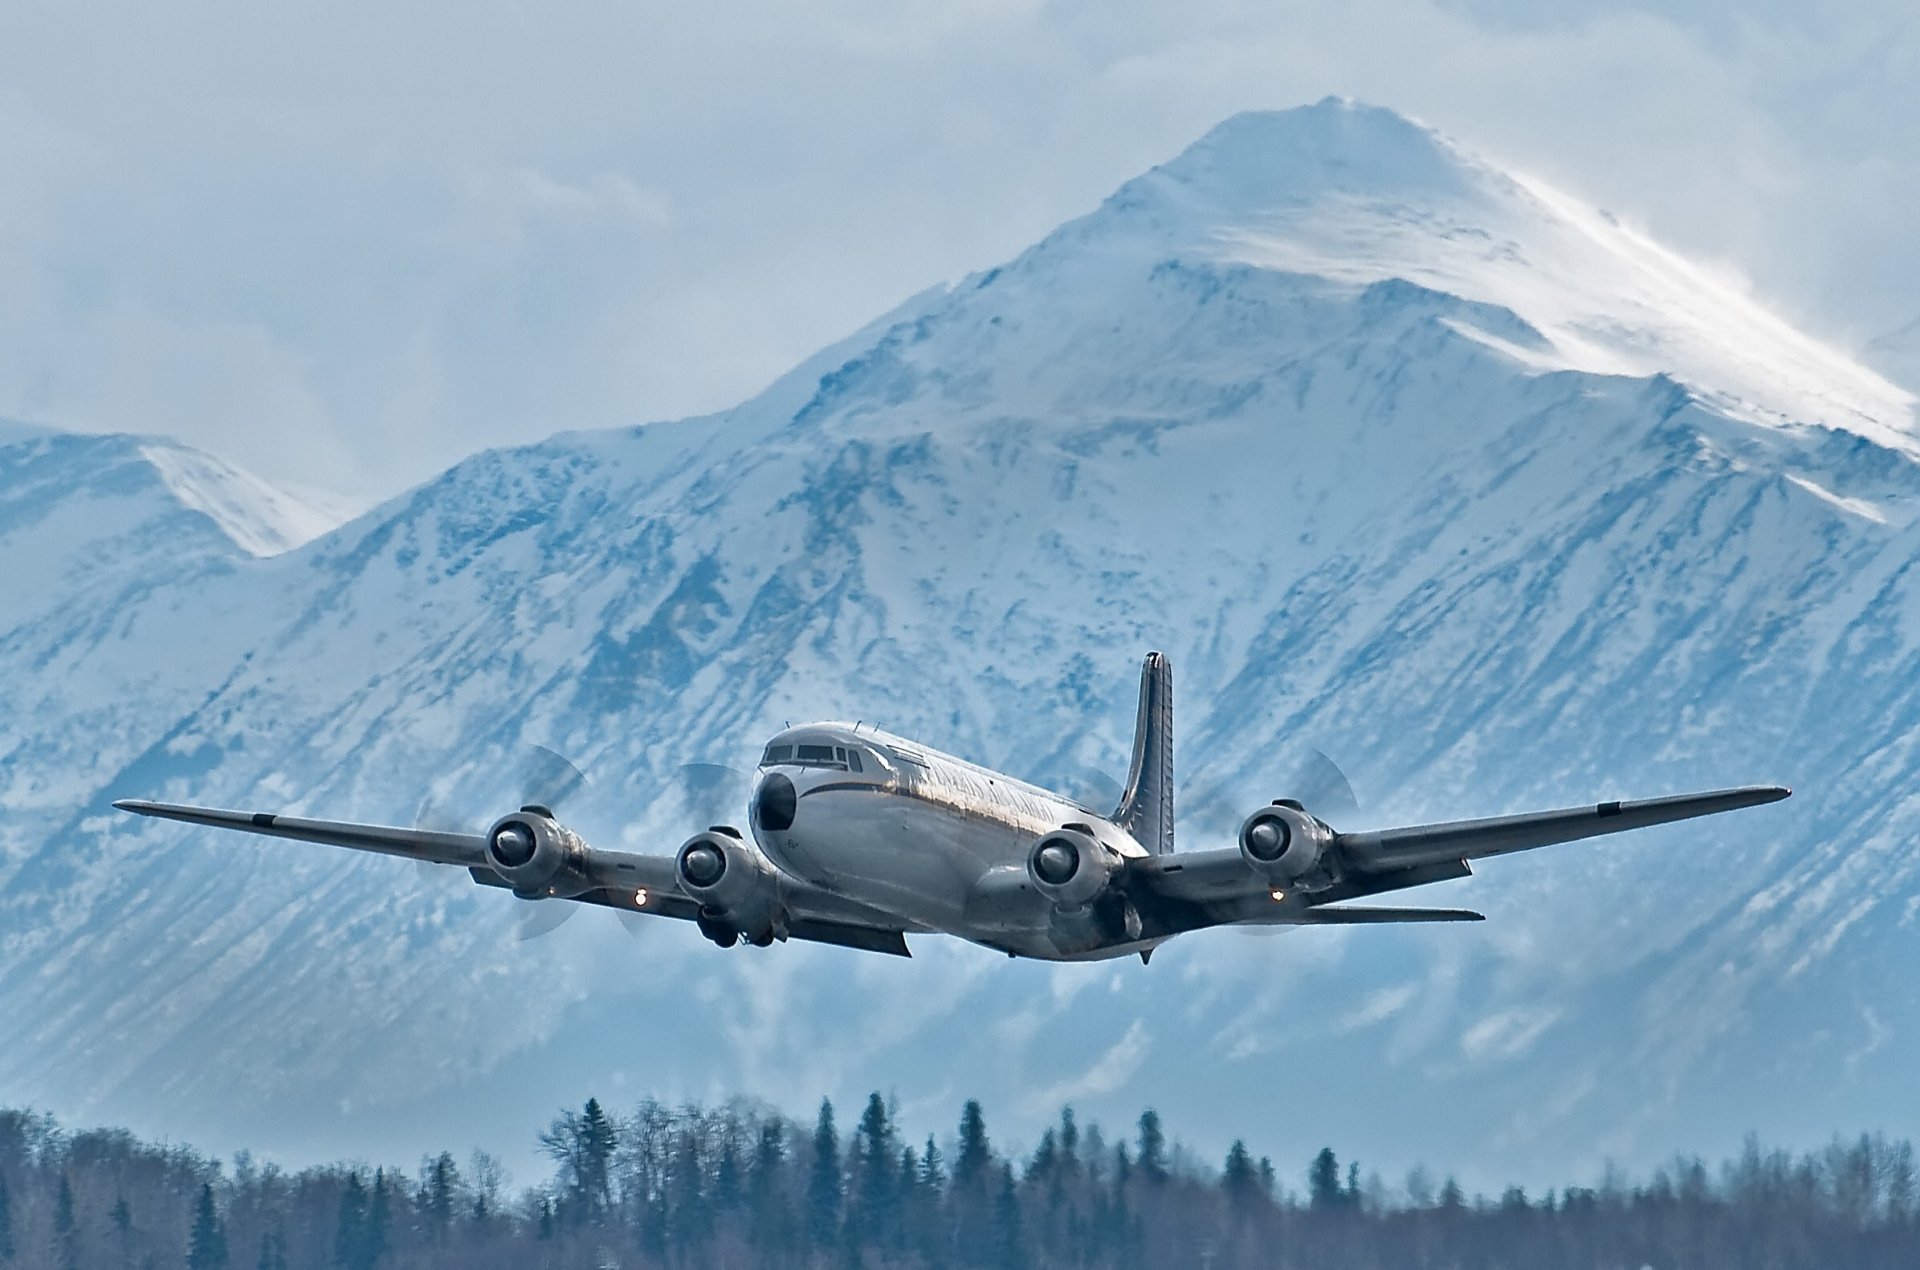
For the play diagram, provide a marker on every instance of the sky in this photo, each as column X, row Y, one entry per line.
column 348, row 244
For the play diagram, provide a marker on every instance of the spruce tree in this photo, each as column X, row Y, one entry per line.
column 1324, row 1193
column 876, row 1197
column 1152, row 1160
column 768, row 1195
column 350, row 1230
column 1009, row 1251
column 6, row 1220
column 208, row 1247
column 443, row 1179
column 273, row 1251
column 598, row 1138
column 823, row 1184
column 975, row 1152
column 1240, row 1180
column 66, row 1231
column 932, row 1168
column 379, row 1219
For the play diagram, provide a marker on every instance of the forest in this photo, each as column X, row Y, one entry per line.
column 739, row 1186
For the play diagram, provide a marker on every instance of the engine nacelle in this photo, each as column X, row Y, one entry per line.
column 737, row 888
column 1071, row 867
column 536, row 855
column 1288, row 847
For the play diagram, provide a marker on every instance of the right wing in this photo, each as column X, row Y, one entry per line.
column 629, row 881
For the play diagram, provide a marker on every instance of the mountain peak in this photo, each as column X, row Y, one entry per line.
column 1357, row 194
column 1258, row 159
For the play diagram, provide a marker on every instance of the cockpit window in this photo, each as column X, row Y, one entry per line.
column 853, row 760
column 814, row 753
column 776, row 754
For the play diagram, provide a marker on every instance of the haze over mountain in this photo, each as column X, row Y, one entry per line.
column 1396, row 453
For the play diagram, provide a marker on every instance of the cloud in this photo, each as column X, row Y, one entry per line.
column 675, row 207
column 1110, row 1073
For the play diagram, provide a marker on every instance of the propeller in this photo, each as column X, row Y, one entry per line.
column 714, row 793
column 543, row 778
column 1094, row 789
column 1310, row 777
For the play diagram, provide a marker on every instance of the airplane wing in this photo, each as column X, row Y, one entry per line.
column 625, row 880
column 1201, row 888
column 1384, row 849
column 467, row 849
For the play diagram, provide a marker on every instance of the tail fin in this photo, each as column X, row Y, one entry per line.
column 1146, row 809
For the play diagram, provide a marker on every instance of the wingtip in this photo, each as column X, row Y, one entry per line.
column 129, row 804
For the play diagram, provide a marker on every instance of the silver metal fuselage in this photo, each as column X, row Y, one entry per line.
column 934, row 839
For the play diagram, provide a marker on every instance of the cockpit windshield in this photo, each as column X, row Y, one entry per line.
column 834, row 756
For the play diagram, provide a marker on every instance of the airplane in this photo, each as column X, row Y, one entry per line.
column 861, row 838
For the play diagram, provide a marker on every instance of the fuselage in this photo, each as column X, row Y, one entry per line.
column 937, row 840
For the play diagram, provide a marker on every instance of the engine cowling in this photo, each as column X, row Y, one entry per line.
column 1071, row 867
column 536, row 855
column 1288, row 847
column 737, row 888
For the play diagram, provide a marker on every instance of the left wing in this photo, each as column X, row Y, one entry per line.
column 1203, row 888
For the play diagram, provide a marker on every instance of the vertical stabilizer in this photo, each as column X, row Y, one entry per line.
column 1146, row 809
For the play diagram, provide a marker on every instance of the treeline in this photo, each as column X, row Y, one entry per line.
column 739, row 1186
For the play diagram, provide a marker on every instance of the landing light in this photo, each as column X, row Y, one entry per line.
column 1278, row 896
column 640, row 898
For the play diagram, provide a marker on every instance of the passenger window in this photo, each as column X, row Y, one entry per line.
column 853, row 759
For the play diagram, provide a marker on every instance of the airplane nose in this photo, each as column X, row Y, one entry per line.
column 774, row 803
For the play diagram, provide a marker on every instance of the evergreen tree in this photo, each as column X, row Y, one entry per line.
column 436, row 1204
column 207, row 1249
column 727, row 1189
column 1152, row 1160
column 876, row 1185
column 932, row 1168
column 379, row 1219
column 1069, row 1140
column 1008, row 1249
column 975, row 1154
column 1240, row 1179
column 350, row 1230
column 66, row 1231
column 823, row 1185
column 273, row 1251
column 1323, row 1182
column 768, row 1226
column 6, row 1220
column 598, row 1139
column 689, row 1219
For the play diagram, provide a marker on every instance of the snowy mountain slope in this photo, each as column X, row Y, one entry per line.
column 1383, row 504
column 109, row 543
column 261, row 519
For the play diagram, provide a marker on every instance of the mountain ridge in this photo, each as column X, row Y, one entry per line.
column 1482, row 580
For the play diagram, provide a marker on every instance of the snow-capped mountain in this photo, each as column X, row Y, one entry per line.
column 1395, row 453
column 111, row 543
